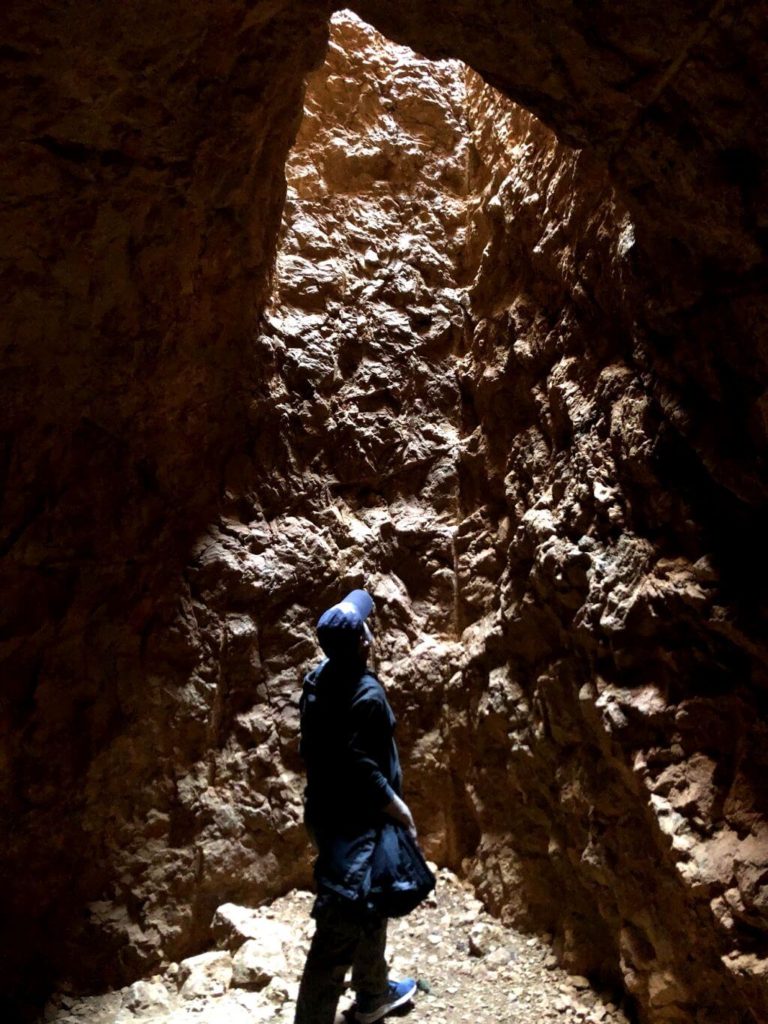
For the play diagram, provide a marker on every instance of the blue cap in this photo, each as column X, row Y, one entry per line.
column 340, row 627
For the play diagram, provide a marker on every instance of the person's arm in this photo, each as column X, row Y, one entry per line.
column 370, row 728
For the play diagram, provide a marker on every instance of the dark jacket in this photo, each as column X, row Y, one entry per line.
column 365, row 860
column 348, row 747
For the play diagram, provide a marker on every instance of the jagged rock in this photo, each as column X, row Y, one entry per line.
column 261, row 959
column 232, row 925
column 205, row 975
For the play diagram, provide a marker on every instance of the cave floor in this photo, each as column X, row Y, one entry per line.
column 470, row 969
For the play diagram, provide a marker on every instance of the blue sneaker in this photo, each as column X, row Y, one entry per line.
column 398, row 994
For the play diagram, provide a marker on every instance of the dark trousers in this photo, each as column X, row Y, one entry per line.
column 340, row 943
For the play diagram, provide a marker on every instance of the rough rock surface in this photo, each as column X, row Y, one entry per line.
column 610, row 694
column 142, row 187
column 470, row 970
column 543, row 449
column 479, row 439
column 670, row 98
column 464, row 419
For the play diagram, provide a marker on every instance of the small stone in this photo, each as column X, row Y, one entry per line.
column 144, row 996
column 578, row 981
column 205, row 975
column 224, row 1010
column 256, row 963
column 499, row 956
column 483, row 938
column 277, row 991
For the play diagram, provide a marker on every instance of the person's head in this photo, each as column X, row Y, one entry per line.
column 343, row 632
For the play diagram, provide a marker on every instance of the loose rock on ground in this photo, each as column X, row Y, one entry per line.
column 470, row 969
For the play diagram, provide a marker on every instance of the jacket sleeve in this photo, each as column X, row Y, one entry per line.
column 370, row 733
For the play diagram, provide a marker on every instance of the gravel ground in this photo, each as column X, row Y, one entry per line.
column 470, row 970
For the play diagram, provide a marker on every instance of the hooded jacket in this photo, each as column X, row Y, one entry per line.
column 348, row 747
column 353, row 770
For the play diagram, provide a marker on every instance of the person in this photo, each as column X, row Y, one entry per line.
column 354, row 784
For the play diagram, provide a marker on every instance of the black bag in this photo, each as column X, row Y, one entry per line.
column 400, row 878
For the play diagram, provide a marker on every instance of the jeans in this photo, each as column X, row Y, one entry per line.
column 340, row 942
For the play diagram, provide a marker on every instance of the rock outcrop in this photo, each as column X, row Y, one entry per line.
column 515, row 388
column 142, row 192
column 609, row 761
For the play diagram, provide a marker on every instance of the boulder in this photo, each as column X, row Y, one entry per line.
column 205, row 975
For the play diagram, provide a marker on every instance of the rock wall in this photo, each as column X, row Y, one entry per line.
column 166, row 770
column 601, row 719
column 669, row 100
column 527, row 413
column 464, row 420
column 142, row 189
column 350, row 471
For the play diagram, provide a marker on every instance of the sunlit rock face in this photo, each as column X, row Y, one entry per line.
column 457, row 414
column 671, row 99
column 523, row 410
column 350, row 476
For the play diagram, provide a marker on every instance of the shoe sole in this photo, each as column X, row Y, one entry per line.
column 374, row 1015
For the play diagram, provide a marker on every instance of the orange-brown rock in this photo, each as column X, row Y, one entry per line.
column 604, row 657
column 670, row 98
column 516, row 388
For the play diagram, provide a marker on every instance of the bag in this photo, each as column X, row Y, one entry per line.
column 400, row 878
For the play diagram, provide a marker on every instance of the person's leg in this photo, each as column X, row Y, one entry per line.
column 370, row 974
column 377, row 996
column 331, row 952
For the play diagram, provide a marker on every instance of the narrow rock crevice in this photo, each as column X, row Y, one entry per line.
column 511, row 381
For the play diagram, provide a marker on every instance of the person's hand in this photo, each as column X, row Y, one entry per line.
column 399, row 810
column 407, row 820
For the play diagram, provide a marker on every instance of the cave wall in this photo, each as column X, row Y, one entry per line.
column 601, row 720
column 345, row 471
column 599, row 378
column 142, row 190
column 670, row 99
